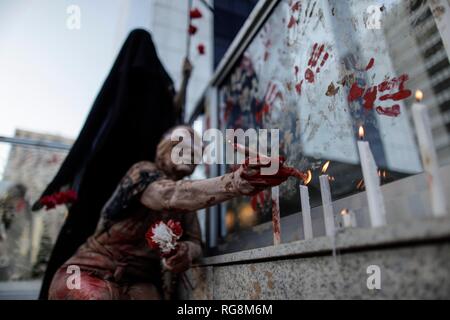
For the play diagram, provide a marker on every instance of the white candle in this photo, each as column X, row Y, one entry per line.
column 276, row 216
column 348, row 218
column 377, row 210
column 429, row 157
column 306, row 212
column 327, row 205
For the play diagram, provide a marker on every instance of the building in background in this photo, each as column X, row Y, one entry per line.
column 29, row 237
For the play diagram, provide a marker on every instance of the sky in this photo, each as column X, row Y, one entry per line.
column 49, row 74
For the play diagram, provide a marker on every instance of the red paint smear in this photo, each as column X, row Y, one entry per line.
column 371, row 64
column 258, row 199
column 355, row 93
column 325, row 58
column 296, row 6
column 260, row 114
column 385, row 86
column 369, row 98
column 309, row 75
column 291, row 172
column 276, row 220
column 298, row 87
column 390, row 112
column 402, row 93
column 292, row 22
column 310, row 62
column 316, row 55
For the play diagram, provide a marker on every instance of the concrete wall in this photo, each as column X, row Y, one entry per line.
column 414, row 262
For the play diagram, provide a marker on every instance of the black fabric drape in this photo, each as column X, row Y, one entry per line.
column 132, row 111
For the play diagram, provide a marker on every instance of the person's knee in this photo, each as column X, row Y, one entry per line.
column 90, row 288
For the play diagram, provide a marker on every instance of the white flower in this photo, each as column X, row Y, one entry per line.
column 164, row 237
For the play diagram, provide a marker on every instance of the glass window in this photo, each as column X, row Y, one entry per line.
column 317, row 71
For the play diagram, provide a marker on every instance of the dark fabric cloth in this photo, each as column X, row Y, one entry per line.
column 132, row 111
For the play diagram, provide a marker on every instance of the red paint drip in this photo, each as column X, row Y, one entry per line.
column 371, row 64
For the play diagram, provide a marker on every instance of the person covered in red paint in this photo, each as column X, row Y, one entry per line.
column 115, row 262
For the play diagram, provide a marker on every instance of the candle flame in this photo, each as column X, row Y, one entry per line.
column 345, row 212
column 361, row 132
column 308, row 178
column 325, row 166
column 419, row 95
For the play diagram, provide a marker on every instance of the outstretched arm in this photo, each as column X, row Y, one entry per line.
column 186, row 196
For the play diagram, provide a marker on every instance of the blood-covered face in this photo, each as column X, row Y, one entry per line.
column 173, row 163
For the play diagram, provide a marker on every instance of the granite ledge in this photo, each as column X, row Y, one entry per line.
column 421, row 230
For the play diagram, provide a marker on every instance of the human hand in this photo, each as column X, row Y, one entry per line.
column 251, row 181
column 181, row 261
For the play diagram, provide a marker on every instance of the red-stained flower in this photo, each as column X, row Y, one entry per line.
column 163, row 237
column 195, row 14
column 58, row 198
column 176, row 227
column 192, row 29
column 48, row 202
column 201, row 49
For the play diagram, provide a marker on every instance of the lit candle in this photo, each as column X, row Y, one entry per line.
column 327, row 203
column 306, row 208
column 348, row 218
column 276, row 215
column 429, row 156
column 377, row 210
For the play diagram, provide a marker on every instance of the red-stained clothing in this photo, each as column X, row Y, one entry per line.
column 117, row 263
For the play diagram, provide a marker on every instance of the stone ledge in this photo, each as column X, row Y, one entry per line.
column 420, row 230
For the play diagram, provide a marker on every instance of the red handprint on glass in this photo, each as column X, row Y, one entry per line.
column 370, row 95
column 318, row 55
column 272, row 98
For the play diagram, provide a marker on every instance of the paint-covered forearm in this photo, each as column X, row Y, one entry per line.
column 188, row 195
